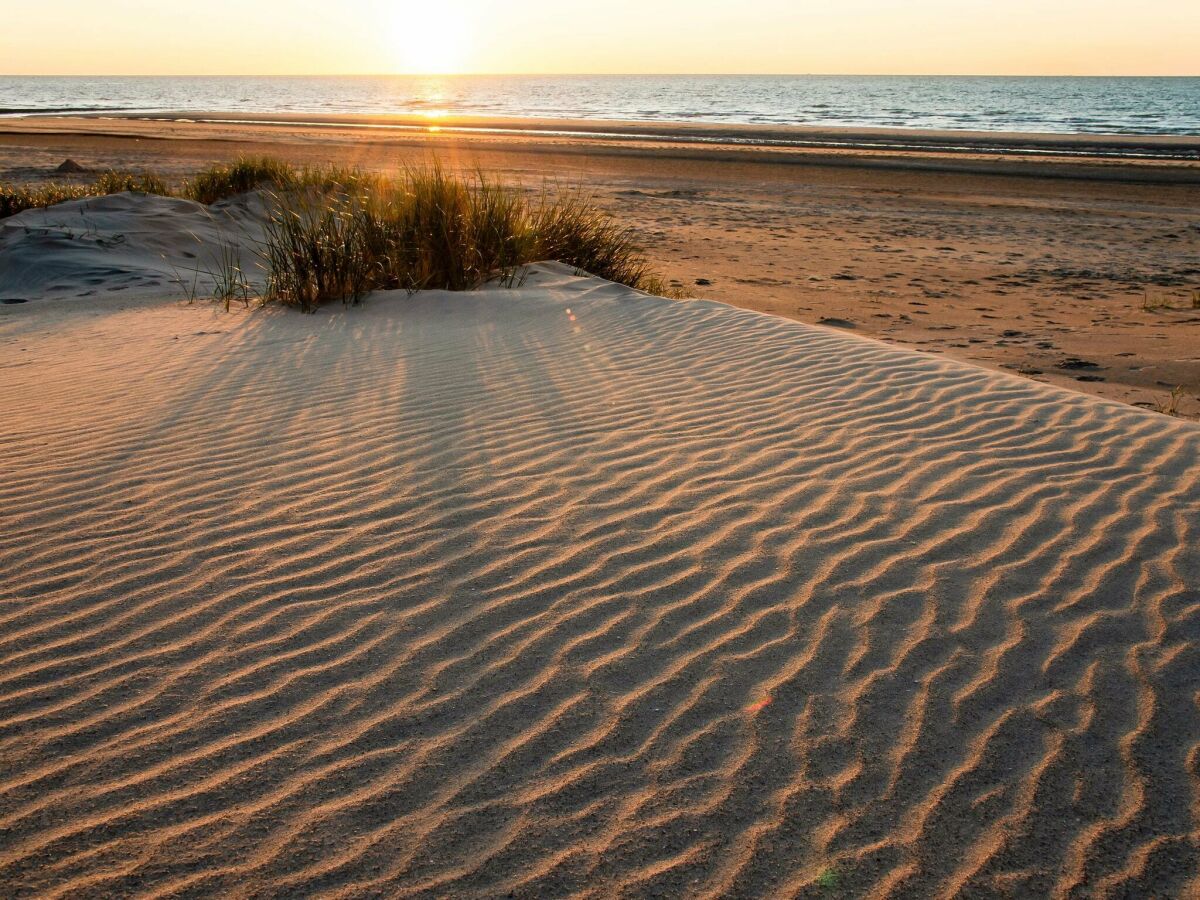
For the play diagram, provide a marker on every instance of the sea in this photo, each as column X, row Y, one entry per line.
column 1040, row 105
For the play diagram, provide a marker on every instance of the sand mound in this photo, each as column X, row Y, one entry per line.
column 128, row 244
column 570, row 590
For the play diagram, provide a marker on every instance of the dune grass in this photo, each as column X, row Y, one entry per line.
column 247, row 173
column 15, row 199
column 431, row 229
column 336, row 233
column 113, row 182
column 1170, row 406
column 217, row 182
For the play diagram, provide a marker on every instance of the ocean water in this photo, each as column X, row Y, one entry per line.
column 1039, row 105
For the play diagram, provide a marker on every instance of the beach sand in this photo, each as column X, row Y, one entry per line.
column 1034, row 255
column 570, row 590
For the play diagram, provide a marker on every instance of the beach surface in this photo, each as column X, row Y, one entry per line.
column 564, row 589
column 1072, row 261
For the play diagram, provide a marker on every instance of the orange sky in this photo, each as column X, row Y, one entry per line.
column 244, row 37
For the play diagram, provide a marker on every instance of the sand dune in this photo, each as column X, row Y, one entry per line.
column 1022, row 273
column 569, row 590
column 132, row 244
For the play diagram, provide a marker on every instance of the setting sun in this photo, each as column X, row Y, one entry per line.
column 431, row 40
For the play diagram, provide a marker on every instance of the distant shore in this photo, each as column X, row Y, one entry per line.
column 1116, row 157
column 800, row 136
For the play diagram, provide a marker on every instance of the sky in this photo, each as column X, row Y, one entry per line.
column 332, row 37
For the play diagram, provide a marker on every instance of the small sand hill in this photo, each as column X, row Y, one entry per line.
column 129, row 244
column 569, row 590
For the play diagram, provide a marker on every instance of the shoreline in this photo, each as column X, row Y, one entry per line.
column 1121, row 146
column 1177, row 145
column 1168, row 159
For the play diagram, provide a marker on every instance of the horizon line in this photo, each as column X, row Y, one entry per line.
column 589, row 75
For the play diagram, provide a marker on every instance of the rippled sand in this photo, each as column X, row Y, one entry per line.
column 570, row 590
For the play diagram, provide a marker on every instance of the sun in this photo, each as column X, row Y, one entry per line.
column 432, row 38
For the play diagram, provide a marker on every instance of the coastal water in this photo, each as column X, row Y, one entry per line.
column 1039, row 105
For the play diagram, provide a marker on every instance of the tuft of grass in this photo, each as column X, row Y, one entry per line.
column 315, row 249
column 1170, row 407
column 14, row 199
column 115, row 182
column 245, row 174
column 572, row 230
column 228, row 277
column 251, row 173
column 430, row 229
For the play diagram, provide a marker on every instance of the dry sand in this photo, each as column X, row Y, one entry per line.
column 570, row 590
column 1038, row 265
column 127, row 245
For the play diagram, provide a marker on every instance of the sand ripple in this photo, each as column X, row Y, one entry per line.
column 566, row 590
